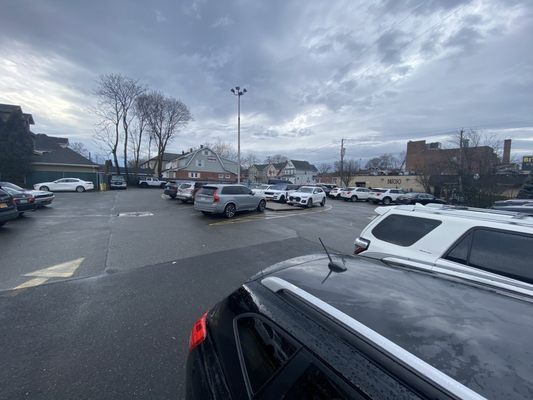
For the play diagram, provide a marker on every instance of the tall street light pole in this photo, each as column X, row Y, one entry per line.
column 238, row 92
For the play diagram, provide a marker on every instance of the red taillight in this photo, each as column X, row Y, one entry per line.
column 13, row 201
column 198, row 332
column 378, row 194
column 216, row 199
column 31, row 199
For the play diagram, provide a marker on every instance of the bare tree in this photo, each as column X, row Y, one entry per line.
column 349, row 170
column 276, row 159
column 165, row 116
column 470, row 158
column 140, row 126
column 129, row 90
column 79, row 148
column 223, row 149
column 324, row 168
column 109, row 110
column 249, row 159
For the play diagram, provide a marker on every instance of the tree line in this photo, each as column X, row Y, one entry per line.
column 133, row 118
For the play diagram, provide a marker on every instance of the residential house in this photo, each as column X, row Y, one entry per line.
column 152, row 163
column 7, row 109
column 261, row 173
column 52, row 159
column 298, row 172
column 202, row 164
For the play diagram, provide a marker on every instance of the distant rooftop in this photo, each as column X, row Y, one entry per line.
column 6, row 109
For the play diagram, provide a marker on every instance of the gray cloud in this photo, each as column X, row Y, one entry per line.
column 376, row 74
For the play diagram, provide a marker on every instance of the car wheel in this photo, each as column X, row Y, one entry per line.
column 144, row 185
column 354, row 198
column 387, row 201
column 183, row 201
column 310, row 203
column 323, row 202
column 21, row 214
column 172, row 196
column 230, row 210
column 282, row 199
column 163, row 185
column 261, row 206
column 80, row 189
column 338, row 196
column 44, row 188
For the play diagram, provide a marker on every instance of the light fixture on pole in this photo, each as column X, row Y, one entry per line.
column 237, row 91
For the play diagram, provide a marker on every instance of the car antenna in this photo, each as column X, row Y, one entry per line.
column 332, row 265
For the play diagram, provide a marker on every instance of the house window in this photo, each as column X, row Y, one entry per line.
column 199, row 163
column 206, row 152
column 228, row 176
column 220, row 176
column 194, row 174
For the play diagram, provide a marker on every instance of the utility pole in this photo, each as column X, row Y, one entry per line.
column 461, row 162
column 342, row 159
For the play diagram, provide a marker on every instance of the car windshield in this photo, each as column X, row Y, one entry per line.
column 306, row 190
column 279, row 186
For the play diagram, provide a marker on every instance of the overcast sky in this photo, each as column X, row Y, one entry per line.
column 375, row 73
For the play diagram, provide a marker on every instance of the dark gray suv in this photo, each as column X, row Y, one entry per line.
column 227, row 200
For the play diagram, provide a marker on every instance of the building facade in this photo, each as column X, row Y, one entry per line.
column 298, row 172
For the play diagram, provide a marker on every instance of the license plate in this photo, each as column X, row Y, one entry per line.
column 23, row 201
column 3, row 205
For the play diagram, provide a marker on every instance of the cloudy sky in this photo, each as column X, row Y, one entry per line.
column 375, row 73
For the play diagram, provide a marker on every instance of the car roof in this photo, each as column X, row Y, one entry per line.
column 471, row 333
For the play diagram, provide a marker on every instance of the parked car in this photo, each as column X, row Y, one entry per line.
column 117, row 182
column 65, row 185
column 227, row 200
column 485, row 245
column 307, row 196
column 385, row 196
column 187, row 191
column 420, row 198
column 171, row 189
column 152, row 182
column 42, row 198
column 327, row 187
column 280, row 192
column 361, row 330
column 261, row 189
column 24, row 201
column 355, row 194
column 8, row 207
column 516, row 205
column 335, row 193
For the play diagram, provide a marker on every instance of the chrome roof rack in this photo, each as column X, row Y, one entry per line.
column 384, row 345
column 481, row 214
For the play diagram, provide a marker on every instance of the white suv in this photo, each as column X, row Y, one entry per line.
column 355, row 193
column 385, row 196
column 307, row 196
column 487, row 246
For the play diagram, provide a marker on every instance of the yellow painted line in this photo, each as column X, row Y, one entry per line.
column 31, row 283
column 283, row 214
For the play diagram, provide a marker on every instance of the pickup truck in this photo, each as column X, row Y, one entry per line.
column 152, row 182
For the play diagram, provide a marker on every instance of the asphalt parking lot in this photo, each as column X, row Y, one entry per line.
column 98, row 291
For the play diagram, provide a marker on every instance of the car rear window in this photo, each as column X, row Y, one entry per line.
column 265, row 349
column 207, row 190
column 404, row 230
column 379, row 190
column 185, row 186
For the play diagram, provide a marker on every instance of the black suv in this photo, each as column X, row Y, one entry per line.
column 8, row 207
column 354, row 328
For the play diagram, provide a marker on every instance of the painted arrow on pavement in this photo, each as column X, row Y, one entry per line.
column 63, row 270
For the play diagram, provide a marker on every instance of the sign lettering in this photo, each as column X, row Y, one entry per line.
column 394, row 181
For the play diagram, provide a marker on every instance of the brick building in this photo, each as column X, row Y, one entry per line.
column 431, row 158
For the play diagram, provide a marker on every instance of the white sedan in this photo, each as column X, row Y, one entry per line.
column 65, row 185
column 307, row 196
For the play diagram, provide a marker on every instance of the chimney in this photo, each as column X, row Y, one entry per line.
column 201, row 146
column 182, row 152
column 506, row 151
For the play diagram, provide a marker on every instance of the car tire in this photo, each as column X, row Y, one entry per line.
column 387, row 201
column 144, row 185
column 230, row 210
column 21, row 214
column 354, row 198
column 310, row 203
column 162, row 185
column 282, row 199
column 338, row 197
column 172, row 196
column 261, row 206
column 323, row 202
column 183, row 201
column 44, row 188
column 80, row 189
